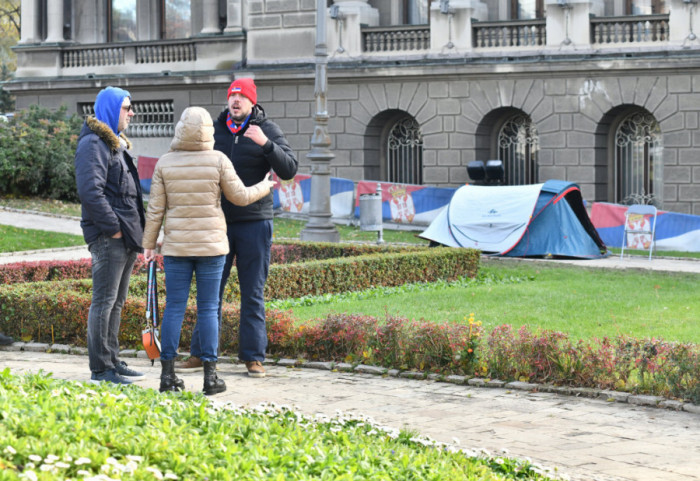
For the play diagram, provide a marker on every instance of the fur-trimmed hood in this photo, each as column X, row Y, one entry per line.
column 103, row 131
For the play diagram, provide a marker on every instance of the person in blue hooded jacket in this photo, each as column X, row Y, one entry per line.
column 112, row 220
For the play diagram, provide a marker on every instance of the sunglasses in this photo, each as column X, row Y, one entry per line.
column 128, row 108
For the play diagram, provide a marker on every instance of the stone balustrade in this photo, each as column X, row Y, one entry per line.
column 629, row 29
column 396, row 39
column 515, row 33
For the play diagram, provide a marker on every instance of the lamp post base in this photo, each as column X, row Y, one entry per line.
column 320, row 234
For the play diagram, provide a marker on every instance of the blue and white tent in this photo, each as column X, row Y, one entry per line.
column 538, row 220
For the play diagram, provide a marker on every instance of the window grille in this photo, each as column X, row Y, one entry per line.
column 151, row 119
column 638, row 160
column 518, row 145
column 405, row 153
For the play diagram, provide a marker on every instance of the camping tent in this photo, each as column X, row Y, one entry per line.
column 539, row 220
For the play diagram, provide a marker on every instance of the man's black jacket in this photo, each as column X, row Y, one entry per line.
column 252, row 161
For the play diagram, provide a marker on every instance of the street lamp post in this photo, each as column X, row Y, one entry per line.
column 320, row 228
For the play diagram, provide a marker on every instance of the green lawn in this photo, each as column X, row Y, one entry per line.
column 291, row 229
column 583, row 302
column 14, row 239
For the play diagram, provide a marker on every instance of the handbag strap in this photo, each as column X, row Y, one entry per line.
column 152, row 295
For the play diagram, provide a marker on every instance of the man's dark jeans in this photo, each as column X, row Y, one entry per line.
column 250, row 244
column 112, row 263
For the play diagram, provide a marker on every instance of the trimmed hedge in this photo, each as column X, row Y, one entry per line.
column 284, row 252
column 57, row 311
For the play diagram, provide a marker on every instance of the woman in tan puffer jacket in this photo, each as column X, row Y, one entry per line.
column 186, row 191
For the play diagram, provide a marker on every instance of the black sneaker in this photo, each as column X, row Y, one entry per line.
column 125, row 371
column 5, row 340
column 110, row 375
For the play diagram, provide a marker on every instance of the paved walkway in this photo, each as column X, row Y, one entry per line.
column 582, row 438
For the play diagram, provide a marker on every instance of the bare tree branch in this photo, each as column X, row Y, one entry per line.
column 10, row 14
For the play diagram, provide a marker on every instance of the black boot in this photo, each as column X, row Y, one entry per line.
column 212, row 384
column 168, row 380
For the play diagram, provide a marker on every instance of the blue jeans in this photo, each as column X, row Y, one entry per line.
column 112, row 263
column 178, row 278
column 250, row 244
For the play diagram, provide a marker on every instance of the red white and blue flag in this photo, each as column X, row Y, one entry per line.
column 674, row 231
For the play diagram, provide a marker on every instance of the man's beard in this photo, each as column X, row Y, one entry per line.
column 238, row 118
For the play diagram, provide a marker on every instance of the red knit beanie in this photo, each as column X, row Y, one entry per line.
column 244, row 86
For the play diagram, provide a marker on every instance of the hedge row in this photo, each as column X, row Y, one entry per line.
column 281, row 253
column 57, row 311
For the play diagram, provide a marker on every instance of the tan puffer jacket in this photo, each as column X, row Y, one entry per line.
column 186, row 190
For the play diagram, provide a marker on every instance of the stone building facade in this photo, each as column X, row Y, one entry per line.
column 604, row 94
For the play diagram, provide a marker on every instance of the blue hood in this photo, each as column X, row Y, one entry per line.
column 108, row 106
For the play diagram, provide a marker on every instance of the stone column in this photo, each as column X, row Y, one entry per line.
column 210, row 17
column 345, row 32
column 148, row 20
column 684, row 23
column 234, row 17
column 367, row 15
column 54, row 21
column 28, row 29
column 568, row 22
column 451, row 31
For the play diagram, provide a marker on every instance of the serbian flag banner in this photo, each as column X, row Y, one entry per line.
column 407, row 203
column 674, row 231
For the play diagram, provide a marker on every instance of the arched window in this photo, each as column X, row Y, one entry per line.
column 638, row 160
column 518, row 145
column 404, row 152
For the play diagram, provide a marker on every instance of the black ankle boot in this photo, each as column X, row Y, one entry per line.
column 212, row 384
column 168, row 380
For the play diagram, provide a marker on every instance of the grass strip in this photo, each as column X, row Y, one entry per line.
column 16, row 239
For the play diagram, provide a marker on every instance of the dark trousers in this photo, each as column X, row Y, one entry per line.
column 250, row 244
column 112, row 263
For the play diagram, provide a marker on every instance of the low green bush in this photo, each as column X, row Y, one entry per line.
column 57, row 311
column 360, row 272
column 56, row 429
column 644, row 366
column 37, row 149
column 282, row 252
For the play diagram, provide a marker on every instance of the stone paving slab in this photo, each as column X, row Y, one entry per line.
column 582, row 438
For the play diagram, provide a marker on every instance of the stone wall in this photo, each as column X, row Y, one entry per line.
column 572, row 104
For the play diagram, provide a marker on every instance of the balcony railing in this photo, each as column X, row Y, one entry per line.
column 396, row 39
column 119, row 54
column 512, row 33
column 160, row 53
column 630, row 29
column 92, row 57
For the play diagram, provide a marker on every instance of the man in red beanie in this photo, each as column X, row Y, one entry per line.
column 254, row 144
